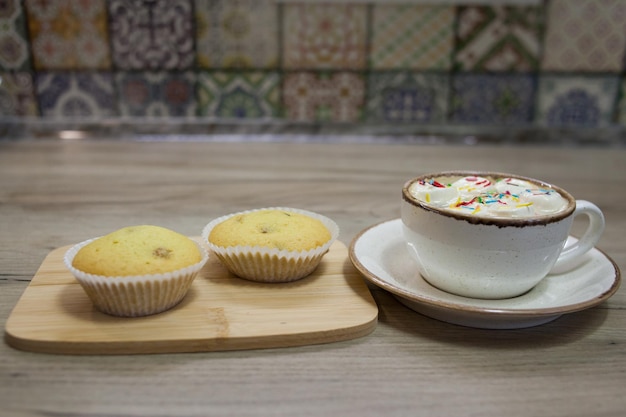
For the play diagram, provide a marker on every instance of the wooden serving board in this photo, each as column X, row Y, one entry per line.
column 220, row 312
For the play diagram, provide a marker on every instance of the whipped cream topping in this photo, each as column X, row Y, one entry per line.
column 503, row 197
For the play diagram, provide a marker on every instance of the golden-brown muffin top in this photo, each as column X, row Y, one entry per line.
column 137, row 250
column 272, row 228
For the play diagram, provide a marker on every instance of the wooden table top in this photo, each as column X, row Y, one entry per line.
column 55, row 193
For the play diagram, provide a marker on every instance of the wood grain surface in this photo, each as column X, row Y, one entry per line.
column 220, row 312
column 55, row 193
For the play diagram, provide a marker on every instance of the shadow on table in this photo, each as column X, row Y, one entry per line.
column 565, row 329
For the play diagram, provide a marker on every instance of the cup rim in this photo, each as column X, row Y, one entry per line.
column 491, row 221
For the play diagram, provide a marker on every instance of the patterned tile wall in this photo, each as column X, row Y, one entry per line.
column 550, row 63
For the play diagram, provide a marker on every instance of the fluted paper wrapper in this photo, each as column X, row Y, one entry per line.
column 266, row 264
column 139, row 295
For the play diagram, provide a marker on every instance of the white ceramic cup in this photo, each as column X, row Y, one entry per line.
column 493, row 258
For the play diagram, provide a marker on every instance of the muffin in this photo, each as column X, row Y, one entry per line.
column 137, row 270
column 275, row 244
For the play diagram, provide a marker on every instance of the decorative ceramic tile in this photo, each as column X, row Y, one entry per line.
column 500, row 38
column 412, row 37
column 324, row 36
column 585, row 35
column 337, row 97
column 576, row 100
column 239, row 95
column 407, row 97
column 17, row 96
column 161, row 94
column 68, row 34
column 14, row 53
column 493, row 99
column 237, row 33
column 148, row 34
column 76, row 94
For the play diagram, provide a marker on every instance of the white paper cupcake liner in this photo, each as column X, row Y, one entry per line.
column 261, row 264
column 138, row 295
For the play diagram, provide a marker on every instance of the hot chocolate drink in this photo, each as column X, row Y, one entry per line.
column 490, row 234
column 489, row 197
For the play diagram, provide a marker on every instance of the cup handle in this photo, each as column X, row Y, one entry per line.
column 572, row 253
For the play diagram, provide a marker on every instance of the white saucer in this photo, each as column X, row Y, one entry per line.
column 378, row 252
